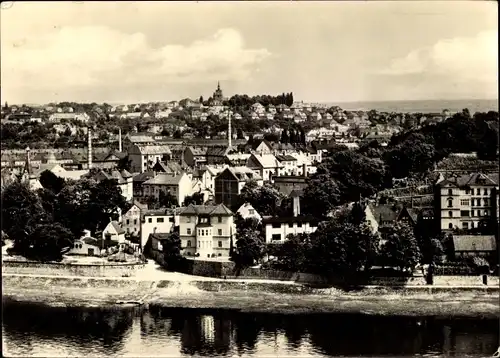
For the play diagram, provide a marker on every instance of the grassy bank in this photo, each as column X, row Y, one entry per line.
column 250, row 296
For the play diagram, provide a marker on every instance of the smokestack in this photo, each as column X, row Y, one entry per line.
column 28, row 160
column 119, row 140
column 304, row 170
column 229, row 134
column 89, row 148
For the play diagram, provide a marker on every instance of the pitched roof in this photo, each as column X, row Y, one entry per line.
column 217, row 151
column 285, row 158
column 243, row 173
column 165, row 179
column 290, row 219
column 474, row 242
column 154, row 149
column 267, row 160
column 219, row 209
column 117, row 227
column 142, row 177
column 471, row 179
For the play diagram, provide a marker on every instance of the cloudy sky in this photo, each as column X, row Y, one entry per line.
column 321, row 51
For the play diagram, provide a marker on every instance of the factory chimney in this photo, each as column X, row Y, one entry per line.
column 229, row 134
column 89, row 148
column 120, row 140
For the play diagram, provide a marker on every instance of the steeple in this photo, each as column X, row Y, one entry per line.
column 218, row 86
column 229, row 134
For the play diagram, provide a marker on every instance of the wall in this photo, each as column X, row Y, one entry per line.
column 60, row 269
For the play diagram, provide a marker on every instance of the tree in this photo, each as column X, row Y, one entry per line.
column 52, row 182
column 265, row 199
column 284, row 137
column 177, row 134
column 47, row 242
column 343, row 248
column 195, row 199
column 295, row 254
column 250, row 248
column 239, row 133
column 201, row 99
column 172, row 250
column 21, row 211
column 401, row 248
column 321, row 195
column 167, row 199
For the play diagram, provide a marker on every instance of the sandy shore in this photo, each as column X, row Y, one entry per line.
column 251, row 296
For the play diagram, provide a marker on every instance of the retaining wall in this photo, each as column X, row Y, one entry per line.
column 60, row 269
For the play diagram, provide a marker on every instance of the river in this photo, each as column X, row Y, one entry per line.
column 36, row 330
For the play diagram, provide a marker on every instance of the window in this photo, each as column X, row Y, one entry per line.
column 220, row 243
column 450, row 226
column 219, row 232
column 465, row 225
column 479, row 213
column 150, row 220
column 128, row 221
column 135, row 221
column 276, row 237
column 450, row 192
column 188, row 244
column 188, row 231
column 276, row 225
column 299, row 224
column 472, row 225
column 467, row 191
column 203, row 220
column 486, row 213
column 464, row 213
column 290, row 224
column 189, row 219
column 219, row 219
column 251, row 212
column 464, row 202
column 159, row 220
column 472, row 213
column 485, row 192
column 450, row 203
column 450, row 214
column 478, row 202
column 485, row 200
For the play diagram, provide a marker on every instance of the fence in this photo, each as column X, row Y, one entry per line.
column 60, row 269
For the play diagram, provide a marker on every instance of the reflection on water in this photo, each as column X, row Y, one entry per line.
column 30, row 330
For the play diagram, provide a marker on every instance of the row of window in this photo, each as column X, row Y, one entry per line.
column 465, row 225
column 290, row 225
column 202, row 220
column 465, row 202
column 203, row 232
column 471, row 191
column 471, row 213
column 202, row 244
column 158, row 220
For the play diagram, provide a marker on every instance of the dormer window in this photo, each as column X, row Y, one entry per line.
column 450, row 192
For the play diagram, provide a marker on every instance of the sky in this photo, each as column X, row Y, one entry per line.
column 332, row 51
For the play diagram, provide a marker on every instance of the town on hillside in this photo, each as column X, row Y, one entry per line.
column 261, row 180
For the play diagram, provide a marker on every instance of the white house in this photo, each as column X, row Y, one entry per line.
column 179, row 185
column 114, row 231
column 131, row 219
column 247, row 211
column 266, row 165
column 161, row 221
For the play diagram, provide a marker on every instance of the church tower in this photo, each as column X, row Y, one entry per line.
column 217, row 97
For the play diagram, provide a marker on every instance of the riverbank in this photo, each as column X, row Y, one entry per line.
column 253, row 296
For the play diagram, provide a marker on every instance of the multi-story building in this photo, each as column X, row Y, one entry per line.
column 467, row 201
column 265, row 165
column 278, row 228
column 131, row 219
column 178, row 185
column 230, row 181
column 144, row 157
column 161, row 221
column 123, row 180
column 206, row 230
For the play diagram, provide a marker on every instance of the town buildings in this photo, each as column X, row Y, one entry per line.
column 206, row 231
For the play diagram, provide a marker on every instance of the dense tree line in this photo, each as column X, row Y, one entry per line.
column 42, row 223
column 245, row 101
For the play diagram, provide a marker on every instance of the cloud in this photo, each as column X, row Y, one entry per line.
column 471, row 58
column 93, row 56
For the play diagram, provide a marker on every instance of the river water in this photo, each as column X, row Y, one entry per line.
column 36, row 330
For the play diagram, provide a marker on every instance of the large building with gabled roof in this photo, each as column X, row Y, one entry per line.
column 206, row 231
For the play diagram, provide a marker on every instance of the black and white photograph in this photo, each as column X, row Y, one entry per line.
column 250, row 179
